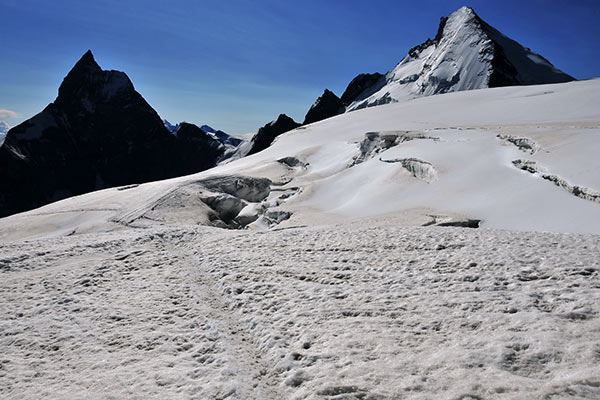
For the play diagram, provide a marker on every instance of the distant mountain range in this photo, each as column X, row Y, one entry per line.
column 100, row 132
column 465, row 54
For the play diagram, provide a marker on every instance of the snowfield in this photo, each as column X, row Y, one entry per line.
column 359, row 274
column 345, row 312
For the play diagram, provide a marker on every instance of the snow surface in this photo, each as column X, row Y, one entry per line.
column 348, row 312
column 341, row 287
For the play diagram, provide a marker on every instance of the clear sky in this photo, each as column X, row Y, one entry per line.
column 237, row 64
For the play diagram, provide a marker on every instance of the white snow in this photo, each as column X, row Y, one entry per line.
column 354, row 312
column 126, row 293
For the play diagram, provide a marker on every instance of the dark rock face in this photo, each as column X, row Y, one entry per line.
column 270, row 131
column 329, row 105
column 326, row 106
column 358, row 85
column 98, row 133
column 195, row 149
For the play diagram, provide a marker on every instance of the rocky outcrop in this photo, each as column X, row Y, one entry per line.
column 98, row 133
column 195, row 149
column 265, row 135
column 359, row 85
column 326, row 106
column 329, row 105
column 416, row 51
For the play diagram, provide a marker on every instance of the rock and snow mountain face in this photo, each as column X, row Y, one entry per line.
column 98, row 133
column 466, row 54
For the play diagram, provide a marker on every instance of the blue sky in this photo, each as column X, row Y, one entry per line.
column 237, row 64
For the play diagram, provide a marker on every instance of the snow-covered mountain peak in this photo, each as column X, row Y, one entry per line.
column 465, row 54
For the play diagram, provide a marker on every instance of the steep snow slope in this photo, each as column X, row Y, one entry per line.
column 515, row 158
column 466, row 54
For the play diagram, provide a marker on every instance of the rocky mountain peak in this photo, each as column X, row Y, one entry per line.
column 358, row 85
column 98, row 133
column 87, row 84
column 466, row 53
column 326, row 106
column 265, row 135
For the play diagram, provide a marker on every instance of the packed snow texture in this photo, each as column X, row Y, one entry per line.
column 363, row 311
